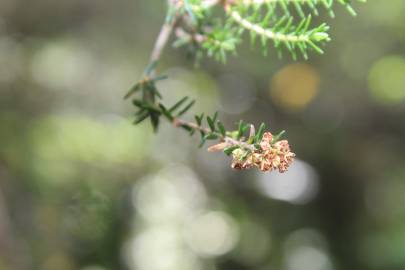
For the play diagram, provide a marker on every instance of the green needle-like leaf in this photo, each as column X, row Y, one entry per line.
column 260, row 132
column 211, row 123
column 229, row 150
column 189, row 105
column 132, row 91
column 178, row 104
column 221, row 128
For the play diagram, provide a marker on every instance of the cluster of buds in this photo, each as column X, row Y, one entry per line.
column 267, row 157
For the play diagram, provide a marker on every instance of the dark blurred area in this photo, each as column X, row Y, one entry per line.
column 82, row 188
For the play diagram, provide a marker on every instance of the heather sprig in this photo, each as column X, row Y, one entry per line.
column 287, row 24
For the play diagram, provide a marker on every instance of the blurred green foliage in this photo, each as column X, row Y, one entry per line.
column 81, row 188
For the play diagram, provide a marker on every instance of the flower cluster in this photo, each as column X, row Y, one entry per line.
column 268, row 157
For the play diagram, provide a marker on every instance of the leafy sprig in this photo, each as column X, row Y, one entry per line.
column 208, row 127
column 301, row 5
column 284, row 23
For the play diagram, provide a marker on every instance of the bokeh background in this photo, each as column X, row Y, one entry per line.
column 82, row 188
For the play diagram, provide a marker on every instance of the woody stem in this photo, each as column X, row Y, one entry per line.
column 229, row 140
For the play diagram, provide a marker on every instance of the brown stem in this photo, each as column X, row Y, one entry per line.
column 164, row 34
column 230, row 141
column 167, row 29
column 162, row 40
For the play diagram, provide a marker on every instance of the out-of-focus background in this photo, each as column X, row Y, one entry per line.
column 82, row 188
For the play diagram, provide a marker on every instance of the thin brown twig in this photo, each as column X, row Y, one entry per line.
column 162, row 40
column 164, row 35
column 228, row 140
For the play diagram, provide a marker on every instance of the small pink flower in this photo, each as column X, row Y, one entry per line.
column 282, row 146
column 265, row 165
column 269, row 160
column 269, row 157
column 241, row 165
column 265, row 143
column 241, row 161
column 286, row 156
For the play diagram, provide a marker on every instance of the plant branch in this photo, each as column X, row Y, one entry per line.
column 228, row 140
column 196, row 26
column 262, row 2
column 268, row 33
column 162, row 40
column 164, row 35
